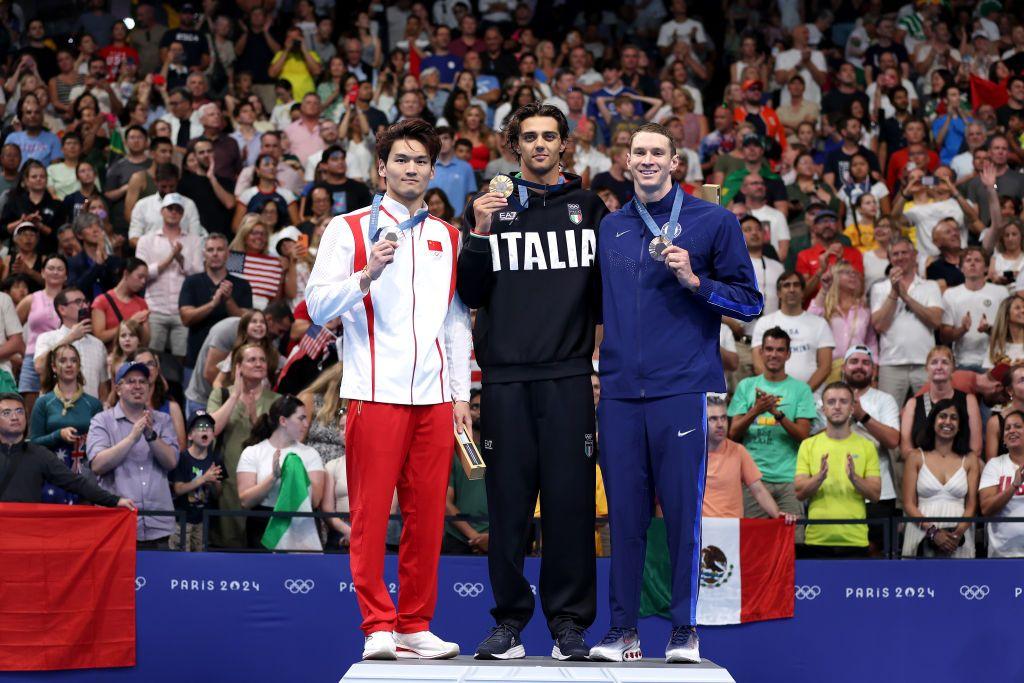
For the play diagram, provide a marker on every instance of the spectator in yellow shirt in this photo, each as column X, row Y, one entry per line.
column 297, row 64
column 836, row 470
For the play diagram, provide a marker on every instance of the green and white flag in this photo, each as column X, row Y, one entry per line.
column 292, row 533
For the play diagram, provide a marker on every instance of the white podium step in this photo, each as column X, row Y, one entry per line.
column 534, row 669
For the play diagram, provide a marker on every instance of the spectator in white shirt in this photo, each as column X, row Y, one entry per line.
column 767, row 270
column 12, row 342
column 171, row 253
column 755, row 191
column 811, row 340
column 905, row 310
column 147, row 214
column 1001, row 491
column 803, row 60
column 929, row 206
column 70, row 304
column 969, row 310
column 681, row 27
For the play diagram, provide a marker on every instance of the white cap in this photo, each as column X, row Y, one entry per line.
column 172, row 199
column 289, row 233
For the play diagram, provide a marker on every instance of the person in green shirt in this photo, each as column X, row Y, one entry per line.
column 772, row 414
column 466, row 497
column 836, row 470
column 235, row 410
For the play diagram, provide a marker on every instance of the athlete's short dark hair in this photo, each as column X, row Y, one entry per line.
column 529, row 111
column 778, row 333
column 409, row 129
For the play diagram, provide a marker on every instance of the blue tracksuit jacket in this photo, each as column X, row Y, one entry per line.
column 659, row 338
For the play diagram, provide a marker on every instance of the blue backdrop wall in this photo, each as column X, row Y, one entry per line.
column 222, row 617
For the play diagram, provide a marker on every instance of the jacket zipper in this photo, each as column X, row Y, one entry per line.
column 636, row 326
column 412, row 247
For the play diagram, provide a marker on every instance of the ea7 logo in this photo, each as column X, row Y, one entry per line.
column 507, row 215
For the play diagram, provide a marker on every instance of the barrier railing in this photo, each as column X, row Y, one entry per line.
column 892, row 527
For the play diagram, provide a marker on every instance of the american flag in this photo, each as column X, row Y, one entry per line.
column 263, row 273
column 313, row 345
column 315, row 342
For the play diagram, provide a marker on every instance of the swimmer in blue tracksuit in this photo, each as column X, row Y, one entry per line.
column 671, row 266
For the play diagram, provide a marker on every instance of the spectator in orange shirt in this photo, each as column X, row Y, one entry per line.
column 730, row 468
column 763, row 117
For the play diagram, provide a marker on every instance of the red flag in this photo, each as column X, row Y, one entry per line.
column 984, row 91
column 67, row 587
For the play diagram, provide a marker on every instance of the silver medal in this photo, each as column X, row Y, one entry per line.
column 671, row 230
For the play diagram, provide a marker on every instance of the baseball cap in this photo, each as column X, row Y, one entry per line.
column 130, row 367
column 826, row 213
column 201, row 417
column 752, row 139
column 752, row 83
column 289, row 233
column 859, row 348
column 172, row 199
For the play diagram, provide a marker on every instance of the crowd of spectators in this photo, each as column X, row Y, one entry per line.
column 167, row 171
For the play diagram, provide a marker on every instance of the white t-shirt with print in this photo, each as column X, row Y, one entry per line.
column 778, row 226
column 259, row 460
column 1005, row 539
column 972, row 348
column 807, row 333
column 907, row 340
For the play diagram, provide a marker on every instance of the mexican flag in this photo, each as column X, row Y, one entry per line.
column 747, row 571
column 292, row 533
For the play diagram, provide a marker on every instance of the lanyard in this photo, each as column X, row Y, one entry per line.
column 407, row 224
column 668, row 230
column 522, row 185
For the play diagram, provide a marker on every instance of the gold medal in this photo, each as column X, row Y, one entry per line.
column 501, row 184
column 658, row 246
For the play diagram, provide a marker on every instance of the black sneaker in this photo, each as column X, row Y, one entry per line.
column 570, row 646
column 502, row 643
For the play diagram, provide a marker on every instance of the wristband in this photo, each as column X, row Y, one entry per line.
column 931, row 531
column 480, row 235
column 864, row 420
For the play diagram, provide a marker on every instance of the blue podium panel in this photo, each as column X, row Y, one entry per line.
column 243, row 617
column 535, row 670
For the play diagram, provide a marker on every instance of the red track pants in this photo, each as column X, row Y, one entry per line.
column 410, row 448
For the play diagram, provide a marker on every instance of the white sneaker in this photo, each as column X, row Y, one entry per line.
column 379, row 645
column 424, row 645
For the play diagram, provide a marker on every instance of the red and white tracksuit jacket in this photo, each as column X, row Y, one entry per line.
column 408, row 340
column 406, row 353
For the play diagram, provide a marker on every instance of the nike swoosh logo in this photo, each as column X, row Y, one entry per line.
column 687, row 432
column 620, row 234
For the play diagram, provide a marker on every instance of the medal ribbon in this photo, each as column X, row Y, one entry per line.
column 523, row 185
column 407, row 224
column 677, row 204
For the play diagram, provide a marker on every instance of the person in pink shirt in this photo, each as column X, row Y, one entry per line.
column 304, row 132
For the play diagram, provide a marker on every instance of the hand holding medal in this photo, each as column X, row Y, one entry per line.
column 498, row 191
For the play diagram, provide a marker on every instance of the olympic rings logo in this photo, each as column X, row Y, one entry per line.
column 467, row 590
column 974, row 592
column 806, row 592
column 140, row 582
column 297, row 586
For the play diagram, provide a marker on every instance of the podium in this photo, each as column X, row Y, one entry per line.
column 465, row 669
